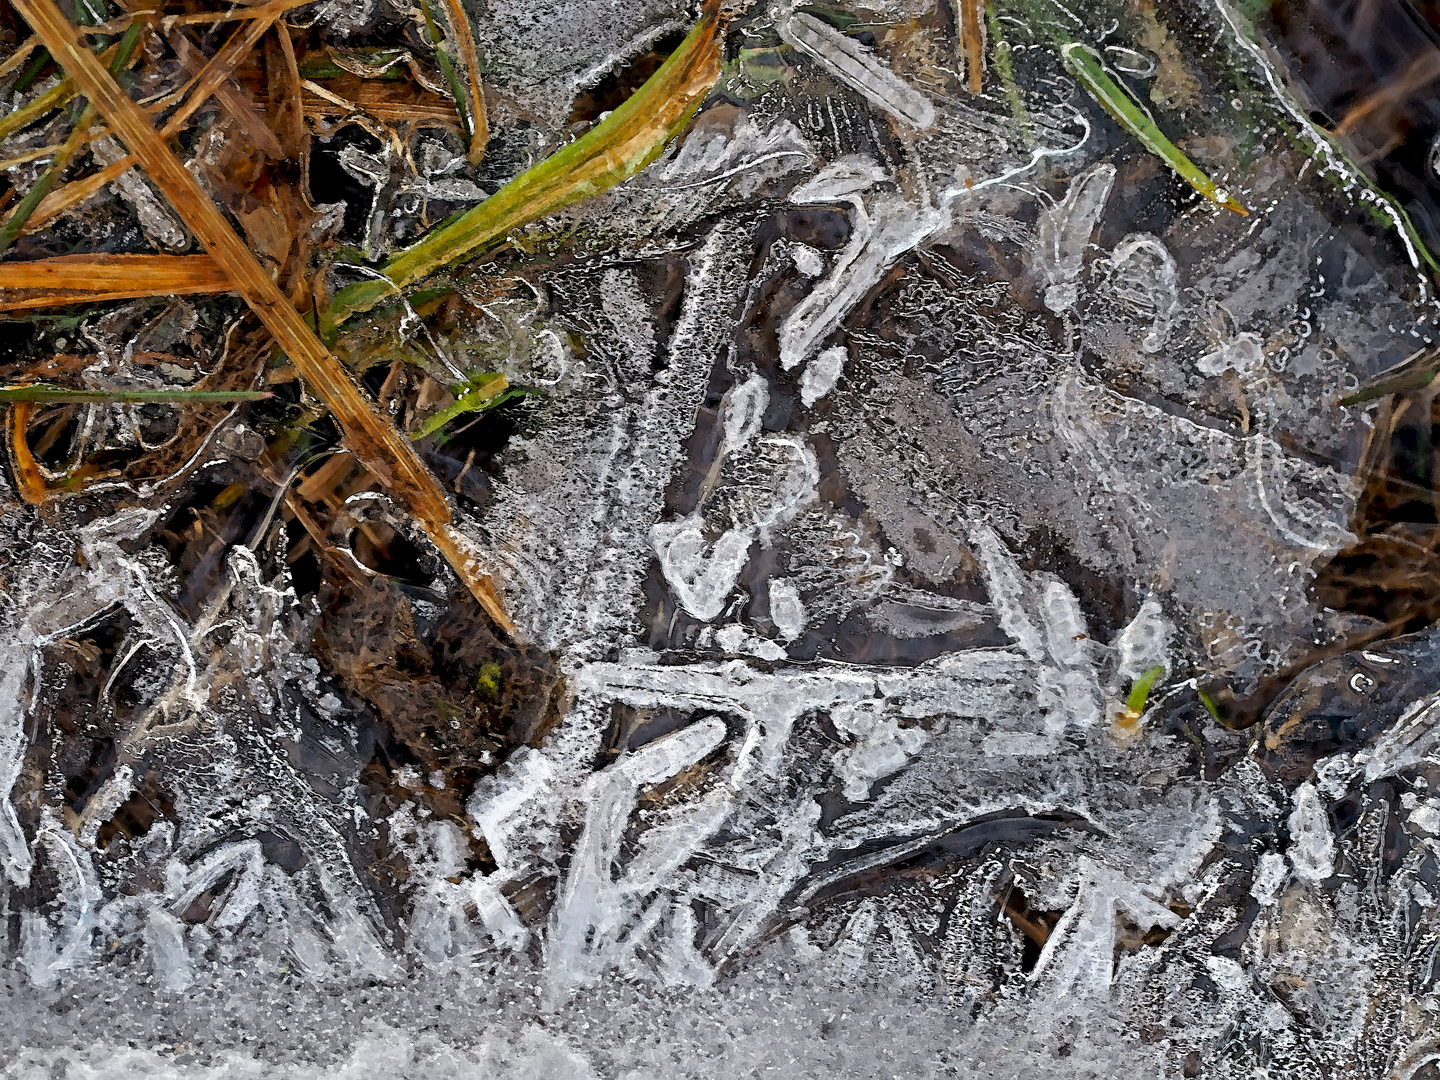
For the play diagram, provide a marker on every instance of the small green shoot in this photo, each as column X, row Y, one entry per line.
column 1211, row 707
column 52, row 394
column 1087, row 67
column 1140, row 691
column 480, row 392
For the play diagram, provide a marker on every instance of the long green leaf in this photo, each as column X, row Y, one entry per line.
column 615, row 149
column 1085, row 64
column 52, row 394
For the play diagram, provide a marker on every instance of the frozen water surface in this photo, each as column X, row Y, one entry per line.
column 890, row 435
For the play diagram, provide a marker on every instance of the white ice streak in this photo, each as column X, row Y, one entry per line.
column 524, row 776
column 1414, row 738
column 821, row 374
column 590, row 925
column 1043, row 617
column 572, row 575
column 1065, row 230
column 853, row 64
column 1078, row 960
column 882, row 230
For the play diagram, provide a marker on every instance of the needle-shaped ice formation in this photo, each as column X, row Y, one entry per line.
column 855, row 66
column 1065, row 230
column 1078, row 961
column 588, row 926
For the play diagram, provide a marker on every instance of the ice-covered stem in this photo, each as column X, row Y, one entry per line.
column 1085, row 64
column 614, row 150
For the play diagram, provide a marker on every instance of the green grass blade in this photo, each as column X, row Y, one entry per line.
column 1087, row 67
column 51, row 394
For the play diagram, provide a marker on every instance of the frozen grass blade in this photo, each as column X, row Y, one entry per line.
column 51, row 394
column 480, row 393
column 614, row 150
column 1085, row 64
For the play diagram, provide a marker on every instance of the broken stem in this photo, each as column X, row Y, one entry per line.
column 75, row 279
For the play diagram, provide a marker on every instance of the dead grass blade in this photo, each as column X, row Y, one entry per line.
column 383, row 450
column 615, row 149
column 84, row 279
column 210, row 78
column 465, row 44
column 28, row 478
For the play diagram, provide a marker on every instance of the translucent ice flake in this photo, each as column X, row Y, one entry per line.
column 1144, row 641
column 854, row 65
column 884, row 227
column 1065, row 233
column 1143, row 277
column 701, row 574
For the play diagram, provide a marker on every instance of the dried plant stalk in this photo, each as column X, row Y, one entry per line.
column 83, row 279
column 615, row 149
column 210, row 78
column 465, row 43
column 972, row 35
column 384, row 452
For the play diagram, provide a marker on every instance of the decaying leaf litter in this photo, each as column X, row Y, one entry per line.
column 863, row 416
